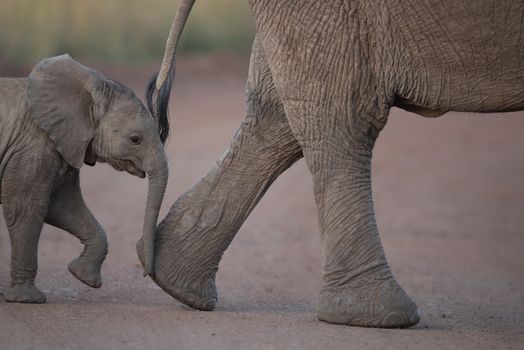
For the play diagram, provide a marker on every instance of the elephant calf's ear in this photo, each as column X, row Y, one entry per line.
column 60, row 96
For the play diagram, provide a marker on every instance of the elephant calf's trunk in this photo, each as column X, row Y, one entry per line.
column 157, row 171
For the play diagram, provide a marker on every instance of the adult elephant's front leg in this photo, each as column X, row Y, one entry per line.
column 359, row 288
column 190, row 241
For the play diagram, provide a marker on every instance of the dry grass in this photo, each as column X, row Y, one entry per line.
column 117, row 30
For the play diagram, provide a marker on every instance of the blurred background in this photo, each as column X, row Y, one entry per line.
column 117, row 31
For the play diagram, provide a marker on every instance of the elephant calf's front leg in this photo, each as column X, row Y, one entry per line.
column 68, row 211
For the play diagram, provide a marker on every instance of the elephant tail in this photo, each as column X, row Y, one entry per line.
column 159, row 86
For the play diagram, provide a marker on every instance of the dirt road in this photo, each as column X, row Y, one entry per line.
column 449, row 196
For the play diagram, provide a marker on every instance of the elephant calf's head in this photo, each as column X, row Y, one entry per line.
column 90, row 118
column 126, row 136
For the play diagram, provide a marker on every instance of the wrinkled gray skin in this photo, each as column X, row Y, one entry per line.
column 62, row 115
column 322, row 79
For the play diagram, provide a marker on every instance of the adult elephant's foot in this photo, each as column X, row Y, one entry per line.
column 189, row 243
column 86, row 271
column 179, row 278
column 383, row 303
column 24, row 293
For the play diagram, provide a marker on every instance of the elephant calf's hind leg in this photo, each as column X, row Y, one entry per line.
column 24, row 223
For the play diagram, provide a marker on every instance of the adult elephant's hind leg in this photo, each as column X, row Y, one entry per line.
column 359, row 288
column 203, row 221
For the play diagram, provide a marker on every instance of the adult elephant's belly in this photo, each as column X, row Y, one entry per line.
column 420, row 110
column 434, row 93
column 458, row 56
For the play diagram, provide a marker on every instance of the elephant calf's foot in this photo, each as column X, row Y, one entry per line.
column 24, row 293
column 383, row 304
column 86, row 272
column 185, row 285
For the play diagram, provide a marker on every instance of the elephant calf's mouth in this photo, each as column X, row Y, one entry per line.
column 134, row 170
column 125, row 165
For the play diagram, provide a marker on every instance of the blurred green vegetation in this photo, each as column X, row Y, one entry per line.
column 130, row 31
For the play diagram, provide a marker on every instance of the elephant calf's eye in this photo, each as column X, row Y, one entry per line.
column 135, row 139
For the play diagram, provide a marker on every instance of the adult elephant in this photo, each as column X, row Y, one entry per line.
column 322, row 79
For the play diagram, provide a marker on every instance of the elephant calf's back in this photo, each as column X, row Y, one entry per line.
column 13, row 104
column 13, row 111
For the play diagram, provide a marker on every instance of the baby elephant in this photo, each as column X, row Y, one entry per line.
column 63, row 115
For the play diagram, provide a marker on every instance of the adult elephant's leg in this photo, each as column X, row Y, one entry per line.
column 359, row 288
column 68, row 211
column 203, row 221
column 337, row 94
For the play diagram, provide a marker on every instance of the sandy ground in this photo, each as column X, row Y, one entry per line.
column 449, row 196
